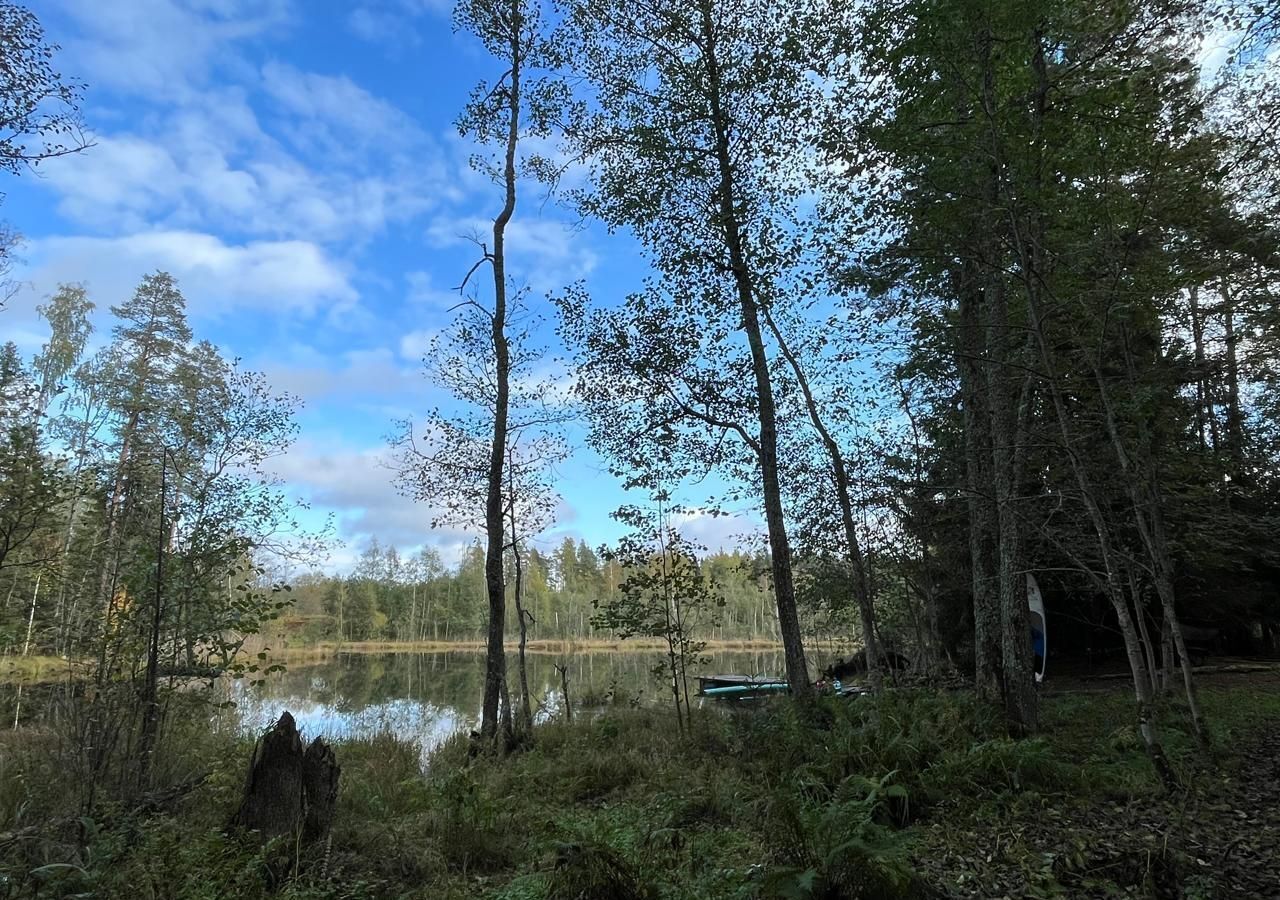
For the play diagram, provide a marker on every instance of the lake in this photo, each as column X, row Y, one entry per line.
column 432, row 696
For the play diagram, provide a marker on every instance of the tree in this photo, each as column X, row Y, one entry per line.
column 39, row 112
column 180, row 511
column 664, row 594
column 31, row 486
column 516, row 106
column 690, row 110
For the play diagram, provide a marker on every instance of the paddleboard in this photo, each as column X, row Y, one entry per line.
column 1039, row 631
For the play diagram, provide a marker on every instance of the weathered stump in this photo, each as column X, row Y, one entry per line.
column 289, row 791
column 320, row 772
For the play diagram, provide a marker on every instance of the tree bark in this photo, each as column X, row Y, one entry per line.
column 273, row 802
column 150, row 685
column 1204, row 406
column 979, row 501
column 289, row 792
column 526, row 713
column 495, row 660
column 1235, row 421
column 564, row 691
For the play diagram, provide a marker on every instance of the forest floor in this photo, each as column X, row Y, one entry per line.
column 913, row 794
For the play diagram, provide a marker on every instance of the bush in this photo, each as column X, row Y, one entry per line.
column 583, row 871
column 996, row 767
column 837, row 847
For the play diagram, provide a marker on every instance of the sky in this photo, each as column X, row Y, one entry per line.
column 295, row 166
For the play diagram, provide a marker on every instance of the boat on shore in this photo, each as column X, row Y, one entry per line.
column 740, row 685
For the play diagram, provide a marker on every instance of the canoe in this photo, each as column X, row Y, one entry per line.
column 710, row 682
column 1039, row 623
column 745, row 690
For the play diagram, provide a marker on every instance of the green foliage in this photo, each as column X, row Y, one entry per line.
column 593, row 872
column 1001, row 766
column 770, row 802
column 664, row 595
column 834, row 841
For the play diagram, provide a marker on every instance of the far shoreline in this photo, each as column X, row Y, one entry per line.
column 543, row 647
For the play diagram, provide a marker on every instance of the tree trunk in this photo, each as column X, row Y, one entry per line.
column 31, row 616
column 526, row 713
column 495, row 660
column 1016, row 671
column 289, row 791
column 982, row 514
column 1140, row 614
column 320, row 772
column 1235, row 421
column 779, row 545
column 564, row 691
column 1142, row 481
column 150, row 686
column 1204, row 405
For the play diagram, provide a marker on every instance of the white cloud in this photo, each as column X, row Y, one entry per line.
column 379, row 27
column 216, row 169
column 358, row 484
column 393, row 23
column 336, row 114
column 544, row 253
column 163, row 47
column 215, row 276
column 415, row 344
column 718, row 532
column 426, row 294
column 373, row 377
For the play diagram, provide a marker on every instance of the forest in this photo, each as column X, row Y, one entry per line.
column 969, row 306
column 386, row 598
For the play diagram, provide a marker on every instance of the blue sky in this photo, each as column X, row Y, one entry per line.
column 296, row 167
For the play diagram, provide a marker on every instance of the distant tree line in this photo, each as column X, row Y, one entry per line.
column 389, row 596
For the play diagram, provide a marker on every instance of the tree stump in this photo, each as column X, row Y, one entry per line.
column 320, row 772
column 289, row 791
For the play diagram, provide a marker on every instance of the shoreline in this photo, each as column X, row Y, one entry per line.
column 543, row 647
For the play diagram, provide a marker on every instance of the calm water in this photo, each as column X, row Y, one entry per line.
column 431, row 696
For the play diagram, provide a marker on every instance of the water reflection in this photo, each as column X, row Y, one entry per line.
column 431, row 696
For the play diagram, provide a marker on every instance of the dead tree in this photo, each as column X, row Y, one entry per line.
column 289, row 791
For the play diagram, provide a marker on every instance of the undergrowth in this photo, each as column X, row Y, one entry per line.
column 826, row 802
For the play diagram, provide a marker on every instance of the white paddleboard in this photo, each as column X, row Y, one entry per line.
column 1038, row 621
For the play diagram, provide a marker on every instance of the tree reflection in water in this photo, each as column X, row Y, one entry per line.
column 431, row 696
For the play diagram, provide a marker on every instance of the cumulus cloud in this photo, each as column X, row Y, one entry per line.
column 217, row 169
column 736, row 529
column 358, row 486
column 415, row 344
column 215, row 276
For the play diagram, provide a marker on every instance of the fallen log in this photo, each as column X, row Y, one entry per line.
column 1231, row 668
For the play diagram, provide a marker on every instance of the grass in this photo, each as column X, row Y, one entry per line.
column 32, row 669
column 888, row 797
